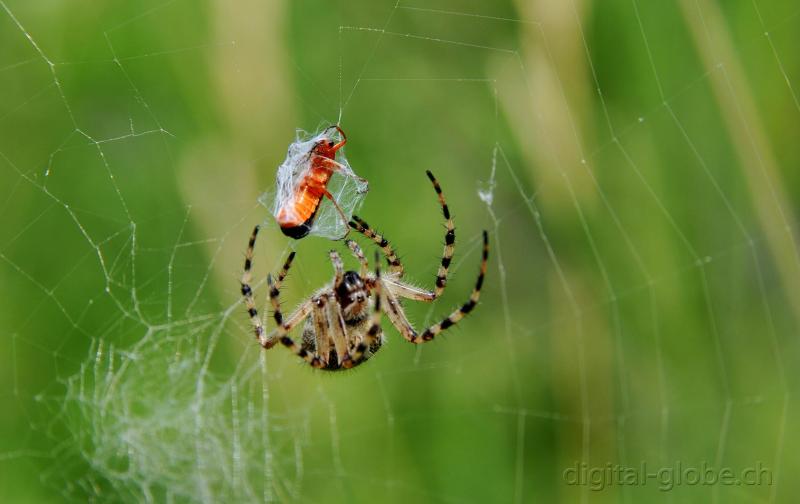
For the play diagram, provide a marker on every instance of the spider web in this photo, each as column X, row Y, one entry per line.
column 641, row 307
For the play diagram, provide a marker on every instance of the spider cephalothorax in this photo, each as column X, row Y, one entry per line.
column 342, row 319
column 352, row 296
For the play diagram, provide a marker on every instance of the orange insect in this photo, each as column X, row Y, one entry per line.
column 303, row 182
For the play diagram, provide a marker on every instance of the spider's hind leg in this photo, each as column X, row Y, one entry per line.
column 282, row 332
column 452, row 319
column 395, row 266
column 247, row 290
column 449, row 240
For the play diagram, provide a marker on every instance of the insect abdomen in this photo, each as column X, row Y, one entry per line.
column 297, row 217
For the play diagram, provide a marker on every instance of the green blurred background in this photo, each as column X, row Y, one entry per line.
column 637, row 162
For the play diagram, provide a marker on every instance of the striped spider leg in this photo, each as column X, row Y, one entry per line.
column 395, row 266
column 395, row 289
column 247, row 291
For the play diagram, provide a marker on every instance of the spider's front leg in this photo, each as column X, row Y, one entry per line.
column 360, row 225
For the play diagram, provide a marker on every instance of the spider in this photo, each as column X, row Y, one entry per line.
column 342, row 319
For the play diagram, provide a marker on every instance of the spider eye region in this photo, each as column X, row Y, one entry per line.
column 351, row 289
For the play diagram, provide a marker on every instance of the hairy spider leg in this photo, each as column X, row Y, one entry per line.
column 247, row 290
column 394, row 263
column 452, row 319
column 449, row 240
column 282, row 331
column 360, row 225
